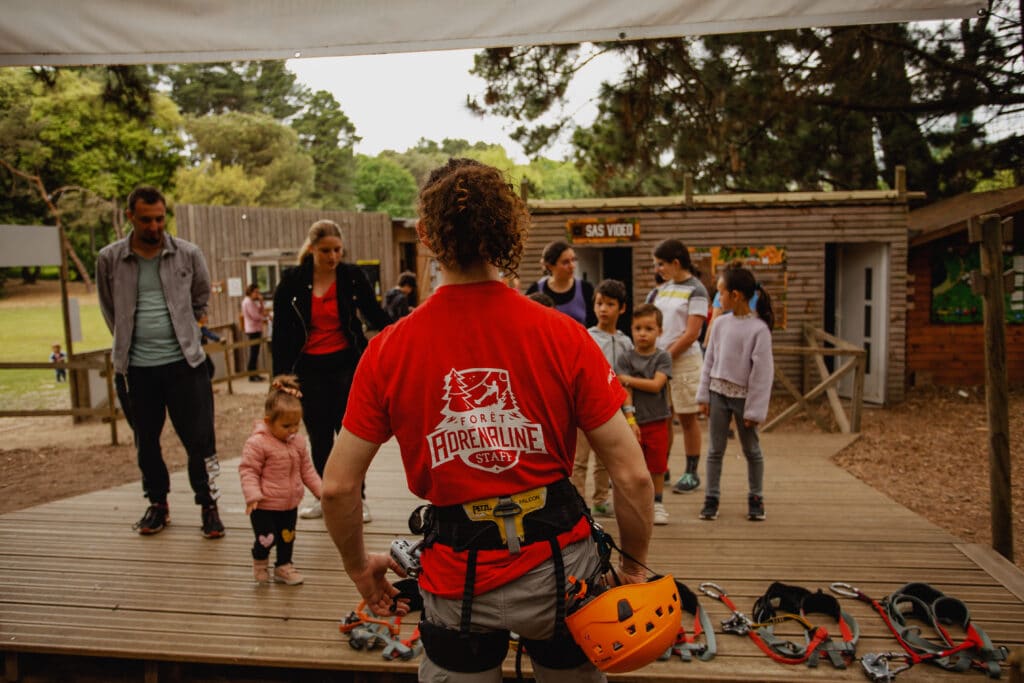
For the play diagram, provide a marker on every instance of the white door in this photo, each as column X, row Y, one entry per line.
column 862, row 312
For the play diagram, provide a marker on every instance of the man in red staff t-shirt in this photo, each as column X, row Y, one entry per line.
column 484, row 390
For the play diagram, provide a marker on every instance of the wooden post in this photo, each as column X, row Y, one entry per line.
column 901, row 181
column 108, row 371
column 857, row 399
column 688, row 189
column 229, row 353
column 996, row 389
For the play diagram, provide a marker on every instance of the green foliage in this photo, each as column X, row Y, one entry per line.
column 548, row 179
column 383, row 185
column 212, row 184
column 787, row 110
column 262, row 147
column 328, row 135
column 90, row 138
column 265, row 87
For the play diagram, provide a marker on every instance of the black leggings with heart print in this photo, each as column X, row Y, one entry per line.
column 274, row 527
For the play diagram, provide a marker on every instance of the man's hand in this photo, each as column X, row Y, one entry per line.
column 749, row 423
column 377, row 591
column 636, row 432
column 705, row 409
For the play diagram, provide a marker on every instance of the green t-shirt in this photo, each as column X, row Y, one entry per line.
column 153, row 339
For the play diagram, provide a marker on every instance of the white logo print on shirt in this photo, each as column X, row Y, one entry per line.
column 481, row 423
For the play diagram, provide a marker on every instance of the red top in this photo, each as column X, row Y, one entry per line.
column 325, row 335
column 484, row 390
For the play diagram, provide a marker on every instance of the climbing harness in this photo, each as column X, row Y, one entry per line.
column 782, row 604
column 368, row 631
column 688, row 645
column 919, row 602
column 782, row 599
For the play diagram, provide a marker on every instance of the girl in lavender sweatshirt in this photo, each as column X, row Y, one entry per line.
column 737, row 380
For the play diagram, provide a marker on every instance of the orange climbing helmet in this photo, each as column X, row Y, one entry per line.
column 626, row 627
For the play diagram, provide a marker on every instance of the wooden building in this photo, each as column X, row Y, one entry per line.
column 834, row 260
column 245, row 245
column 945, row 344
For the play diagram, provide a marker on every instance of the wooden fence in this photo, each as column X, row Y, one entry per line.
column 110, row 413
column 813, row 355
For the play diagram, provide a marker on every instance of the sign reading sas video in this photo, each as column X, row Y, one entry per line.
column 602, row 230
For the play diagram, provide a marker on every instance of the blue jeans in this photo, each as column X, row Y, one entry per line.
column 148, row 396
column 722, row 410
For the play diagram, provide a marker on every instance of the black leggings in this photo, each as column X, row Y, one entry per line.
column 273, row 527
column 325, row 382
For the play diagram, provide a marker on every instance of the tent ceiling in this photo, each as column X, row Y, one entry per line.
column 60, row 32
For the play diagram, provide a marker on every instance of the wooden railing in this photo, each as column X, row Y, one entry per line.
column 110, row 412
column 813, row 355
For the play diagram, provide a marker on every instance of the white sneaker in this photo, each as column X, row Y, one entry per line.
column 314, row 511
column 660, row 514
column 367, row 517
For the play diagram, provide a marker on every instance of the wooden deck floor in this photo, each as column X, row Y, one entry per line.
column 76, row 581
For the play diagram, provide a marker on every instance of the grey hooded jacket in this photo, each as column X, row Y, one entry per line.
column 186, row 285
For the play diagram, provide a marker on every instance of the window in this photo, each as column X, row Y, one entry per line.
column 264, row 274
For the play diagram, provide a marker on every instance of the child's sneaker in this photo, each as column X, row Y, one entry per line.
column 156, row 517
column 660, row 514
column 603, row 510
column 755, row 508
column 688, row 482
column 710, row 509
column 259, row 571
column 288, row 574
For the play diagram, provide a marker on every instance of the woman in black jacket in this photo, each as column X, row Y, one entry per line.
column 318, row 336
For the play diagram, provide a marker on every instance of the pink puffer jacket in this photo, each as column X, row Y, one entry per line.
column 273, row 471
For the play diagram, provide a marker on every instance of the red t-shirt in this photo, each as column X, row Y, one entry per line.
column 484, row 390
column 325, row 335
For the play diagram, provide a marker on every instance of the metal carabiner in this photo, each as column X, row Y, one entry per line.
column 876, row 666
column 846, row 590
column 712, row 590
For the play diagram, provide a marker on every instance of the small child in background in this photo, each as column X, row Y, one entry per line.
column 275, row 466
column 737, row 380
column 609, row 304
column 541, row 298
column 58, row 356
column 645, row 372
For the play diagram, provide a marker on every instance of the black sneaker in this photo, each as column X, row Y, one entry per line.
column 755, row 508
column 212, row 526
column 668, row 476
column 157, row 516
column 710, row 509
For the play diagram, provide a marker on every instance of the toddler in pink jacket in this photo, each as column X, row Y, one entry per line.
column 275, row 466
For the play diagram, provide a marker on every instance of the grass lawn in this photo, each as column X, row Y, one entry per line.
column 27, row 334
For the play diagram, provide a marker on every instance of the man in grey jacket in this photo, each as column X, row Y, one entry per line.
column 153, row 288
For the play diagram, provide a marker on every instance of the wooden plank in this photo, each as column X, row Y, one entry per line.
column 997, row 566
column 74, row 579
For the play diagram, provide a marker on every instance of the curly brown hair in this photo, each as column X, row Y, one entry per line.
column 469, row 213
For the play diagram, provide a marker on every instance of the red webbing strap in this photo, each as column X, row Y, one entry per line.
column 820, row 635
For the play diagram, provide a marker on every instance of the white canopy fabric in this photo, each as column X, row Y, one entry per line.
column 63, row 32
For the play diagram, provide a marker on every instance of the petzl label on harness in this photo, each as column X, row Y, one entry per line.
column 507, row 513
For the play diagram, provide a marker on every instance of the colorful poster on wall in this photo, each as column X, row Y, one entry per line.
column 768, row 263
column 953, row 302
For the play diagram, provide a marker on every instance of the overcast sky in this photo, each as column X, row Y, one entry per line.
column 394, row 100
